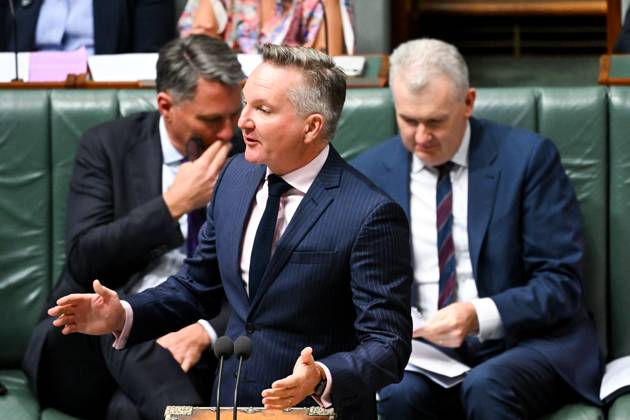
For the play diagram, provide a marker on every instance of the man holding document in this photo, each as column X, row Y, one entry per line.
column 497, row 248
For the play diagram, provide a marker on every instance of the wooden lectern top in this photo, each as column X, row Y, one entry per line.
column 174, row 412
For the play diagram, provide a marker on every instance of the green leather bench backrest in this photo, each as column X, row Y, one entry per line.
column 24, row 217
column 576, row 120
column 72, row 113
column 619, row 221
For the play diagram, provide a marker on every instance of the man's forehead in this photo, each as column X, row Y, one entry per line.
column 269, row 78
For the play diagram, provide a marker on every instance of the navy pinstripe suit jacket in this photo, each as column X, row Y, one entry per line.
column 339, row 281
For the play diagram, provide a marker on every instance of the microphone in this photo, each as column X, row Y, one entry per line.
column 223, row 349
column 242, row 350
column 15, row 34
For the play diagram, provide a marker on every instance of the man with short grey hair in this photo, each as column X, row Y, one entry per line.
column 312, row 258
column 137, row 200
column 497, row 251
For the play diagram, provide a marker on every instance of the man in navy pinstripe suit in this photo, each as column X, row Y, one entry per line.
column 335, row 293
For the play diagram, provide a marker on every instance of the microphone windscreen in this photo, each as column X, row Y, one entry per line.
column 224, row 347
column 243, row 347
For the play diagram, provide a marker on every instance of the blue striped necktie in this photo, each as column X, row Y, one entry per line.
column 446, row 246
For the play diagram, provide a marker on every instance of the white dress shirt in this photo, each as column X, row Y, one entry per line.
column 65, row 25
column 422, row 187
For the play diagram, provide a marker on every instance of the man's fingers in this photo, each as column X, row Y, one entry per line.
column 103, row 291
column 60, row 310
column 209, row 153
column 286, row 383
column 64, row 320
column 220, row 158
column 186, row 364
column 307, row 355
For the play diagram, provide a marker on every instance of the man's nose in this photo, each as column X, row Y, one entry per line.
column 227, row 130
column 422, row 134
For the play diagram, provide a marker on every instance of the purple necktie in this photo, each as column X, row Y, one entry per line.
column 196, row 218
column 446, row 247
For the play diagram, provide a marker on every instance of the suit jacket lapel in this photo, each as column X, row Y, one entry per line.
column 144, row 162
column 251, row 179
column 316, row 200
column 398, row 168
column 483, row 179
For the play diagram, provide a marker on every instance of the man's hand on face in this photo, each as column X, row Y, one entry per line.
column 186, row 345
column 89, row 313
column 292, row 390
column 195, row 181
column 450, row 325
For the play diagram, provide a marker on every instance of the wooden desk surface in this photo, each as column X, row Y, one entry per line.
column 209, row 413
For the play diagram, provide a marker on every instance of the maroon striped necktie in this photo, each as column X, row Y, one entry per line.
column 446, row 246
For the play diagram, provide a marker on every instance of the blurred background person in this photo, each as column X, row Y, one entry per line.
column 248, row 24
column 101, row 26
column 136, row 203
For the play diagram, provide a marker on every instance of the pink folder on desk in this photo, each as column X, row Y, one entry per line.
column 54, row 66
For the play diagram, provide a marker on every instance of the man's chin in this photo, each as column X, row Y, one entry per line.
column 252, row 156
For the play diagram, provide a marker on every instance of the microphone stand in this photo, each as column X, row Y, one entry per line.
column 242, row 349
column 15, row 44
column 223, row 349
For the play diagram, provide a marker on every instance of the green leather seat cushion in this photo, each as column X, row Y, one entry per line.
column 18, row 403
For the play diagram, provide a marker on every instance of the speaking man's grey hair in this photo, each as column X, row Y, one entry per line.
column 421, row 60
column 324, row 88
column 183, row 61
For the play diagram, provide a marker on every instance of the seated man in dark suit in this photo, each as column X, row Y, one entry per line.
column 497, row 250
column 313, row 259
column 101, row 26
column 137, row 200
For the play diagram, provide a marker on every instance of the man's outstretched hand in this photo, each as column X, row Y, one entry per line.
column 89, row 313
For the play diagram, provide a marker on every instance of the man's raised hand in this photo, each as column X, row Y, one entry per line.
column 195, row 181
column 89, row 313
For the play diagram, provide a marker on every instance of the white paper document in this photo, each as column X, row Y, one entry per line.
column 616, row 379
column 431, row 362
column 352, row 65
column 123, row 67
column 7, row 66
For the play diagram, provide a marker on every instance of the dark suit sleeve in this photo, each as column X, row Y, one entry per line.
column 551, row 248
column 103, row 241
column 154, row 24
column 381, row 285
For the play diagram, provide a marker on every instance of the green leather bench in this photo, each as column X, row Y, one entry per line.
column 39, row 131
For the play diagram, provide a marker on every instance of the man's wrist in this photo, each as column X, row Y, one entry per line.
column 171, row 204
column 320, row 386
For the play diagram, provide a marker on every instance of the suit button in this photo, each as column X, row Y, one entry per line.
column 249, row 328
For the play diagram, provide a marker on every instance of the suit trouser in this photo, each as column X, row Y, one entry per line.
column 516, row 384
column 80, row 374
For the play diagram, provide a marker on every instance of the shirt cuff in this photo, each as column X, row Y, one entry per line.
column 120, row 337
column 325, row 400
column 211, row 332
column 490, row 325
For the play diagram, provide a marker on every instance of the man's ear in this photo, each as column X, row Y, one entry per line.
column 471, row 95
column 165, row 105
column 313, row 127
